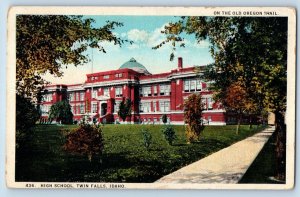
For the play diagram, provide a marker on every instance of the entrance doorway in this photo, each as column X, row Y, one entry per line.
column 103, row 109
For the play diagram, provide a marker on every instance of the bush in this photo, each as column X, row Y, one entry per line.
column 164, row 118
column 85, row 140
column 169, row 134
column 147, row 138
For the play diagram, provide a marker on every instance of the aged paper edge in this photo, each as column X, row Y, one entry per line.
column 173, row 11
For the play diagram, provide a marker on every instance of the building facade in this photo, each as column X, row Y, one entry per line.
column 152, row 95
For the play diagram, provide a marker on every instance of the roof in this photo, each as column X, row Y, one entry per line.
column 136, row 66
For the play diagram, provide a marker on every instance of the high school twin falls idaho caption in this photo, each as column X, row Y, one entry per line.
column 78, row 185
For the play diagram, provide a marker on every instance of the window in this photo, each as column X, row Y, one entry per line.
column 154, row 106
column 168, row 90
column 210, row 103
column 164, row 106
column 72, row 109
column 186, row 85
column 145, row 107
column 119, row 92
column 106, row 91
column 164, row 89
column 82, row 96
column 78, row 109
column 204, row 103
column 118, row 75
column 48, row 97
column 198, row 85
column 167, row 106
column 77, row 96
column 82, row 108
column 94, row 94
column 94, row 78
column 71, row 96
column 117, row 105
column 192, row 85
column 155, row 90
column 146, row 91
column 94, row 107
column 106, row 77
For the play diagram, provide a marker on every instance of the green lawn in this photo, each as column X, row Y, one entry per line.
column 125, row 159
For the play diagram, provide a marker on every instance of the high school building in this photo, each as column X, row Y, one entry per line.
column 152, row 95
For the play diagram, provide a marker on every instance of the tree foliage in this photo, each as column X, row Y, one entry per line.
column 193, row 108
column 46, row 43
column 61, row 111
column 164, row 118
column 125, row 109
column 26, row 116
column 238, row 101
column 85, row 140
column 147, row 138
column 169, row 134
column 249, row 50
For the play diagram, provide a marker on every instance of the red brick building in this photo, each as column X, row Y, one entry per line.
column 152, row 95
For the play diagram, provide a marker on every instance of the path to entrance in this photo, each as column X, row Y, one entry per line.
column 225, row 166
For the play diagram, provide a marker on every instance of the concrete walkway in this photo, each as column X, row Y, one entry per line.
column 225, row 166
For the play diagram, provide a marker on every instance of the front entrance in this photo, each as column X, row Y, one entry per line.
column 103, row 109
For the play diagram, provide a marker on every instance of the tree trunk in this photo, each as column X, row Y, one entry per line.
column 250, row 121
column 238, row 124
column 280, row 151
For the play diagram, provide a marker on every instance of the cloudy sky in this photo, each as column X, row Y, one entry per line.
column 145, row 32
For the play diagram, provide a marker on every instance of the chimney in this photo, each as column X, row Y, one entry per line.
column 180, row 63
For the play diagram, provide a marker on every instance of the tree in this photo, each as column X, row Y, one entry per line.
column 237, row 100
column 125, row 109
column 46, row 43
column 164, row 118
column 193, row 108
column 252, row 50
column 61, row 111
column 169, row 134
column 28, row 114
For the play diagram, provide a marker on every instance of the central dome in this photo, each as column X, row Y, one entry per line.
column 134, row 65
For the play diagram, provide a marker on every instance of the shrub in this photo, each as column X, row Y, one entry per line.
column 85, row 140
column 147, row 138
column 169, row 134
column 193, row 108
column 164, row 118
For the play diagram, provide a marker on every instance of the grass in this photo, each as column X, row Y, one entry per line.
column 124, row 159
column 264, row 166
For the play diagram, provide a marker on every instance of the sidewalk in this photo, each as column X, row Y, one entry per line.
column 225, row 166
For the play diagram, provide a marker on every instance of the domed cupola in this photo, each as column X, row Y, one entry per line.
column 136, row 66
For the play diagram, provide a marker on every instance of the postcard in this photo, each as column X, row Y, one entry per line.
column 151, row 97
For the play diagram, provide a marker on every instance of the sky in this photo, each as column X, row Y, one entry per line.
column 145, row 32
